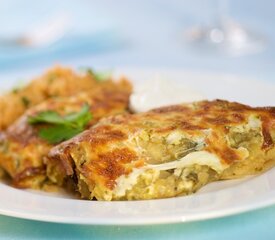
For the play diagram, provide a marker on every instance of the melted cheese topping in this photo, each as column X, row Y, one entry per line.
column 125, row 183
column 200, row 158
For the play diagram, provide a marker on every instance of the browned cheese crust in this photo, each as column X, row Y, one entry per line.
column 135, row 148
column 22, row 152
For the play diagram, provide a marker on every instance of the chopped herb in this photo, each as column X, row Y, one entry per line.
column 59, row 127
column 15, row 90
column 26, row 102
column 17, row 162
column 99, row 76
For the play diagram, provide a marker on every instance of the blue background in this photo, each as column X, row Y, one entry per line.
column 144, row 34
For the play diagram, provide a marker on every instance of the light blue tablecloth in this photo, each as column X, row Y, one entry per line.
column 252, row 225
column 144, row 34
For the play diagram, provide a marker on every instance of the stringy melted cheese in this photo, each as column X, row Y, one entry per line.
column 126, row 182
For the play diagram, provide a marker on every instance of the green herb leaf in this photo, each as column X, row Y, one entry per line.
column 99, row 76
column 80, row 118
column 26, row 102
column 46, row 117
column 61, row 128
column 15, row 90
column 58, row 133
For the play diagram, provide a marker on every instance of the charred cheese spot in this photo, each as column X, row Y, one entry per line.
column 266, row 131
column 102, row 135
column 169, row 109
column 111, row 165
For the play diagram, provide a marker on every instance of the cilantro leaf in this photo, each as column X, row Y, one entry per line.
column 80, row 118
column 46, row 117
column 58, row 133
column 59, row 128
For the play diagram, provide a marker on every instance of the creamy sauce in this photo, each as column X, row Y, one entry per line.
column 160, row 92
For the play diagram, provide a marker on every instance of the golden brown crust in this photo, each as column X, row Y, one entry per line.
column 117, row 145
column 21, row 149
column 219, row 113
column 110, row 165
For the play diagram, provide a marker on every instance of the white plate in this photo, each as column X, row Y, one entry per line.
column 215, row 200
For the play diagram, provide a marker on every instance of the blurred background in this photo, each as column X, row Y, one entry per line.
column 228, row 36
